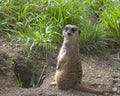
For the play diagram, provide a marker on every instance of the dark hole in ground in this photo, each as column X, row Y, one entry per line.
column 26, row 74
column 26, row 78
column 23, row 75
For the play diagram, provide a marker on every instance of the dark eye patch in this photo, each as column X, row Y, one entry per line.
column 66, row 28
column 73, row 29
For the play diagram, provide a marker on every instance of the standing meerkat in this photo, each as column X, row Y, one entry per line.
column 69, row 69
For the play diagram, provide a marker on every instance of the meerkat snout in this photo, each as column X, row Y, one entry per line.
column 70, row 30
column 69, row 34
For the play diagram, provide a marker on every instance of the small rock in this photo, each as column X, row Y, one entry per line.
column 17, row 45
column 93, row 75
column 99, row 76
column 114, row 89
column 118, row 92
column 100, row 86
column 4, row 45
column 118, row 85
column 101, row 80
column 106, row 94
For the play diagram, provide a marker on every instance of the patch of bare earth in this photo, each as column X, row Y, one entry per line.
column 99, row 72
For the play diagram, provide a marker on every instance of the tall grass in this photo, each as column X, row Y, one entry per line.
column 28, row 19
column 110, row 22
column 39, row 22
column 91, row 39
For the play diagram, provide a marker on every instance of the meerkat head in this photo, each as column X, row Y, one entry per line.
column 71, row 32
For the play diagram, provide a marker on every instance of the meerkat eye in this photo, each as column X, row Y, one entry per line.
column 66, row 28
column 73, row 29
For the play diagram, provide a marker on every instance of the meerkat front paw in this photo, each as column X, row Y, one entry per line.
column 53, row 83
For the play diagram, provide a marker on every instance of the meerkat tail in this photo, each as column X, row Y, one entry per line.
column 89, row 89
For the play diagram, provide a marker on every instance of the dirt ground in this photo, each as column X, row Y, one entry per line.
column 99, row 71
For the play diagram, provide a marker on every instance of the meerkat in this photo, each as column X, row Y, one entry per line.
column 69, row 69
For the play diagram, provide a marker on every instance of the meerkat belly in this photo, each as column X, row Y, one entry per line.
column 66, row 78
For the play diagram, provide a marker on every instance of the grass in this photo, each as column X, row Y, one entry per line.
column 91, row 39
column 38, row 23
column 110, row 19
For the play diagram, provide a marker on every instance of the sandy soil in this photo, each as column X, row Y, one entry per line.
column 99, row 71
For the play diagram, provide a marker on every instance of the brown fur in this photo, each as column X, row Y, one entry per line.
column 69, row 68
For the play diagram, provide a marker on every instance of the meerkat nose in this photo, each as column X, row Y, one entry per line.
column 69, row 34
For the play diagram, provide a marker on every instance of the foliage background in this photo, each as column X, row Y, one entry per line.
column 38, row 23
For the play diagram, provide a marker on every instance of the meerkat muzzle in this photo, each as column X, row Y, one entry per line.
column 69, row 34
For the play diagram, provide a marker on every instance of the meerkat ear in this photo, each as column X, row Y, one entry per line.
column 79, row 32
